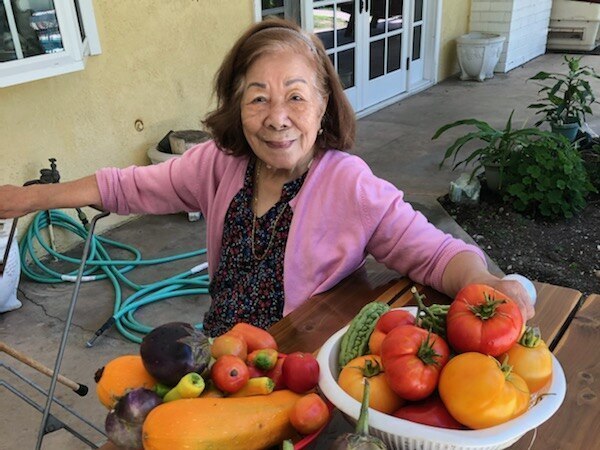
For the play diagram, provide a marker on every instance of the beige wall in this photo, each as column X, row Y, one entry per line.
column 157, row 65
column 455, row 22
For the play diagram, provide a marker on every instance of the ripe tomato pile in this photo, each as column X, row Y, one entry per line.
column 470, row 365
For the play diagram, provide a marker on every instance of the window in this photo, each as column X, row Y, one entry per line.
column 44, row 38
column 285, row 9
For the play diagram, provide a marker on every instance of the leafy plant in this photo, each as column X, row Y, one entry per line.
column 567, row 98
column 496, row 146
column 548, row 177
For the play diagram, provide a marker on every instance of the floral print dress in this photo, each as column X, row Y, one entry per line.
column 245, row 287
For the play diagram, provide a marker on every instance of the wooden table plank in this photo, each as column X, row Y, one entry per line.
column 575, row 424
column 557, row 309
column 309, row 326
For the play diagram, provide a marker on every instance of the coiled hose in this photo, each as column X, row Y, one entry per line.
column 100, row 266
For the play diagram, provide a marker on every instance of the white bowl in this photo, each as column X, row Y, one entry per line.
column 402, row 434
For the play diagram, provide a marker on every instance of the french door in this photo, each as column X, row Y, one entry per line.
column 375, row 45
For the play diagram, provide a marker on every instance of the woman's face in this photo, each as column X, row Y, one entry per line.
column 282, row 110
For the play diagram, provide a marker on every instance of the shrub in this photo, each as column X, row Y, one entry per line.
column 547, row 177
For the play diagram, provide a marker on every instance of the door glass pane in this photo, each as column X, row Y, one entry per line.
column 395, row 16
column 376, row 52
column 346, row 67
column 377, row 17
column 344, row 22
column 394, row 52
column 268, row 4
column 418, row 10
column 284, row 9
column 37, row 29
column 416, row 47
column 323, row 25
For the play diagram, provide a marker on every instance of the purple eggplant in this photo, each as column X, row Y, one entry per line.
column 124, row 423
column 173, row 350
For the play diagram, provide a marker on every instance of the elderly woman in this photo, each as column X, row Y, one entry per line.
column 289, row 213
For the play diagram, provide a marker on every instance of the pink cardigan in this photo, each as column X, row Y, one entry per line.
column 342, row 213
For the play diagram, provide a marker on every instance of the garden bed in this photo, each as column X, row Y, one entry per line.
column 565, row 252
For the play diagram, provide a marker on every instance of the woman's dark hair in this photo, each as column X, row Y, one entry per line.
column 269, row 36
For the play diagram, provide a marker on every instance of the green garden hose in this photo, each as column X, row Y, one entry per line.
column 100, row 266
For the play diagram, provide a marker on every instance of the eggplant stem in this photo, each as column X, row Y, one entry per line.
column 362, row 426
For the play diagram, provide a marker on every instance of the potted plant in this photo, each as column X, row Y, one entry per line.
column 497, row 146
column 566, row 98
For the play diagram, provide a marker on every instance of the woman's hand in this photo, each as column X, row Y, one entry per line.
column 468, row 268
column 515, row 290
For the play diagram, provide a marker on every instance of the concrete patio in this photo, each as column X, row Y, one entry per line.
column 395, row 142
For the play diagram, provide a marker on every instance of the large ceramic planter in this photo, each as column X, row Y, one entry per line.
column 478, row 54
column 568, row 130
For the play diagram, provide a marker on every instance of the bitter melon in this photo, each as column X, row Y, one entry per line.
column 355, row 341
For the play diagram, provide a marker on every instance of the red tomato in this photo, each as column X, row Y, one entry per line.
column 300, row 372
column 309, row 414
column 385, row 324
column 482, row 319
column 412, row 359
column 275, row 373
column 229, row 373
column 430, row 411
column 391, row 319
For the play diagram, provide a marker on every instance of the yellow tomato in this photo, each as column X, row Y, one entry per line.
column 531, row 359
column 477, row 392
column 382, row 398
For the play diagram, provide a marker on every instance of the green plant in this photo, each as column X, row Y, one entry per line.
column 548, row 177
column 567, row 98
column 496, row 146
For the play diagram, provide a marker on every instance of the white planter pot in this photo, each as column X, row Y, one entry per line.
column 478, row 54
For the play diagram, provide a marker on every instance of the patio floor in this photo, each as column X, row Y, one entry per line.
column 395, row 142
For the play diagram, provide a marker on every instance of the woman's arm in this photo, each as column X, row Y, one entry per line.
column 467, row 268
column 16, row 201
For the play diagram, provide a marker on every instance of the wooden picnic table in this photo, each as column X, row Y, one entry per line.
column 569, row 325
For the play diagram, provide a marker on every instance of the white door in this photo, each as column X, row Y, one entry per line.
column 377, row 46
column 383, row 50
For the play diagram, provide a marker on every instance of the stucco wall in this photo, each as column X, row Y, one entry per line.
column 455, row 22
column 157, row 65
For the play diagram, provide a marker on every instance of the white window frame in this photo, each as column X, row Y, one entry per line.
column 75, row 50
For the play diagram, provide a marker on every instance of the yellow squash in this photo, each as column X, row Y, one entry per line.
column 251, row 423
